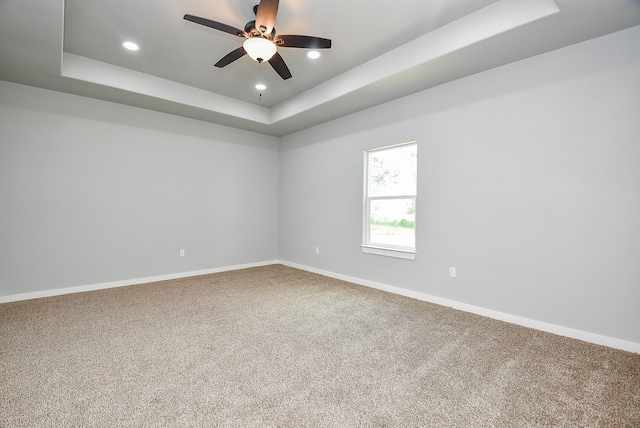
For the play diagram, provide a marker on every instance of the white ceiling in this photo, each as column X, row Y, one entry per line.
column 381, row 51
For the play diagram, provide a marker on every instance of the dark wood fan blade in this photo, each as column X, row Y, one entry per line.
column 279, row 66
column 308, row 42
column 266, row 16
column 230, row 57
column 216, row 25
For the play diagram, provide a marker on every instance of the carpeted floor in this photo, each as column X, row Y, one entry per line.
column 277, row 346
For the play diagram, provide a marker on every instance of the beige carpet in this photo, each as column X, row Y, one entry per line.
column 276, row 346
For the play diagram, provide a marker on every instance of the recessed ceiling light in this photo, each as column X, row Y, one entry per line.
column 313, row 54
column 131, row 46
column 261, row 86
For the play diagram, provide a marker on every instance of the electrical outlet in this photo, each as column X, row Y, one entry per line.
column 317, row 250
column 181, row 253
column 452, row 272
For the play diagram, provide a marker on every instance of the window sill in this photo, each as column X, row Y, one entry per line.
column 389, row 252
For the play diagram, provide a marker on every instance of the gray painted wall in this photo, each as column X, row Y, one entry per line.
column 94, row 192
column 529, row 184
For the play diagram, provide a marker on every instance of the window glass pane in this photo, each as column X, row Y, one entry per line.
column 392, row 222
column 393, row 172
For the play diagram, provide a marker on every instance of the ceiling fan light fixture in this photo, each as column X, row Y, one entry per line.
column 260, row 40
column 259, row 48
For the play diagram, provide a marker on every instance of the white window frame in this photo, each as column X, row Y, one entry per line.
column 383, row 249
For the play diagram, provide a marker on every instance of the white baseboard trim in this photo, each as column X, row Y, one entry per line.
column 127, row 282
column 513, row 319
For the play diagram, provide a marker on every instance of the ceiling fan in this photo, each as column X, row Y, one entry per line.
column 261, row 42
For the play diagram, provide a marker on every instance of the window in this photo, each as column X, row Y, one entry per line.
column 390, row 201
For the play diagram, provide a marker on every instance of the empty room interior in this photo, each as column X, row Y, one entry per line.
column 182, row 247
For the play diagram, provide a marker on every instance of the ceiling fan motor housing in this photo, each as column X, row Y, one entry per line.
column 250, row 27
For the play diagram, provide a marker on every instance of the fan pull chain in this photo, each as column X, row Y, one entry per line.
column 260, row 80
